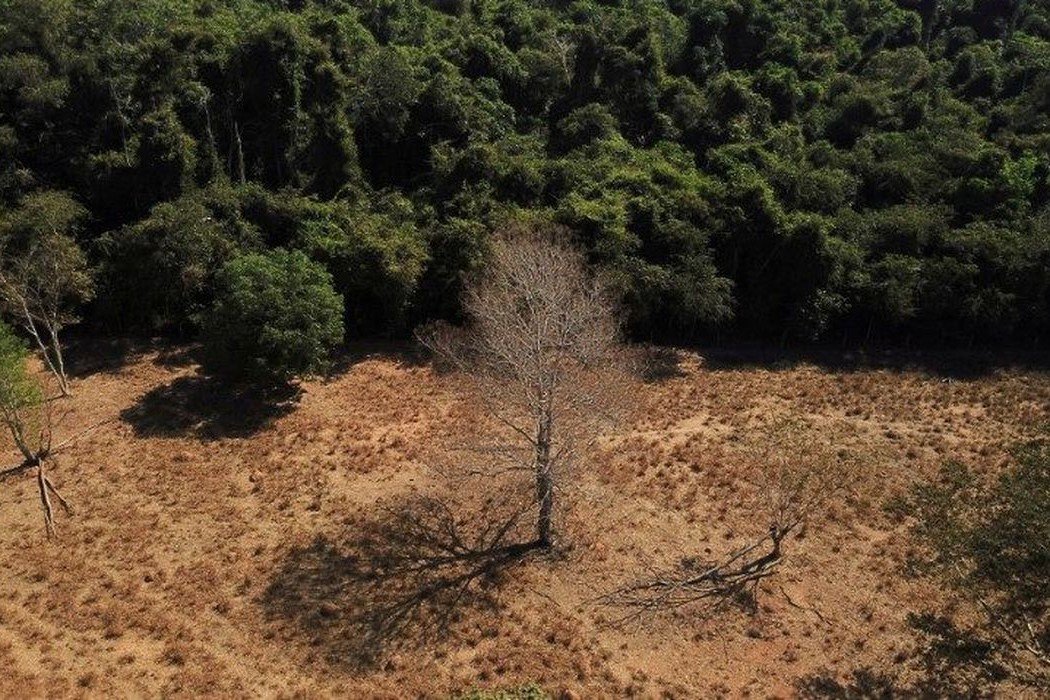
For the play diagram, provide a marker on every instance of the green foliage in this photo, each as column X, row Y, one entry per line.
column 645, row 216
column 769, row 168
column 525, row 692
column 22, row 399
column 372, row 249
column 159, row 273
column 275, row 317
column 991, row 538
column 43, row 271
column 18, row 389
column 991, row 542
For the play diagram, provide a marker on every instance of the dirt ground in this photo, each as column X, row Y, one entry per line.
column 218, row 541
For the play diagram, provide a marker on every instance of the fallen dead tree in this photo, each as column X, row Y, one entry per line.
column 709, row 584
column 797, row 476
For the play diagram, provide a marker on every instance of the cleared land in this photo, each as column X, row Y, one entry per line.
column 219, row 542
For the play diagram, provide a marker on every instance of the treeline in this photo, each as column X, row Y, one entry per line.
column 863, row 170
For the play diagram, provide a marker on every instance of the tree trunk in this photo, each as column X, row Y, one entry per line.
column 544, row 483
column 45, row 499
column 60, row 365
column 240, row 153
column 52, row 355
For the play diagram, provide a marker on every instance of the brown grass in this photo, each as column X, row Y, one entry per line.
column 192, row 506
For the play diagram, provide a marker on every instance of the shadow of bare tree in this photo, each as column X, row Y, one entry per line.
column 208, row 408
column 399, row 581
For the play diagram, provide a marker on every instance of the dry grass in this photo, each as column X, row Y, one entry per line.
column 192, row 506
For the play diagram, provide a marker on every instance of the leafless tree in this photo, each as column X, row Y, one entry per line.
column 43, row 273
column 541, row 353
column 796, row 476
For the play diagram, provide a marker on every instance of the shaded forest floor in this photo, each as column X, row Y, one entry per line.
column 241, row 545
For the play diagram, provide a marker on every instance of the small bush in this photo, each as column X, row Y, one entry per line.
column 275, row 317
column 525, row 692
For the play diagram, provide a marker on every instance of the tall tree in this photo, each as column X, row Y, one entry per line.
column 43, row 273
column 542, row 350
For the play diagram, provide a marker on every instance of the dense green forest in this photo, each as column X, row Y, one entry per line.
column 790, row 170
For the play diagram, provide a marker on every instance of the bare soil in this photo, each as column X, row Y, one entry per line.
column 230, row 544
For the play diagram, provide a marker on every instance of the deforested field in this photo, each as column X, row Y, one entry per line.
column 223, row 545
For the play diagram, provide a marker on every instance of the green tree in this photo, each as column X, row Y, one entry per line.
column 159, row 274
column 599, row 114
column 44, row 275
column 275, row 317
column 19, row 393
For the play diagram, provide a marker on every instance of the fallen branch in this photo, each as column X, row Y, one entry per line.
column 45, row 486
column 793, row 604
column 78, row 436
column 715, row 584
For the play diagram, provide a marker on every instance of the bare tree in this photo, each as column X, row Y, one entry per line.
column 43, row 273
column 797, row 475
column 541, row 352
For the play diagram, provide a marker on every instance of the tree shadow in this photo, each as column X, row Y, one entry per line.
column 208, row 408
column 867, row 683
column 862, row 684
column 177, row 356
column 952, row 663
column 402, row 580
column 947, row 364
column 659, row 364
column 86, row 355
column 404, row 353
column 955, row 659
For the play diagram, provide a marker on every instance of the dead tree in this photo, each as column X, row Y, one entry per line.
column 711, row 584
column 542, row 356
column 796, row 476
column 43, row 273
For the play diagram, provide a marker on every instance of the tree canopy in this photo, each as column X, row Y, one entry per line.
column 764, row 168
column 275, row 317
